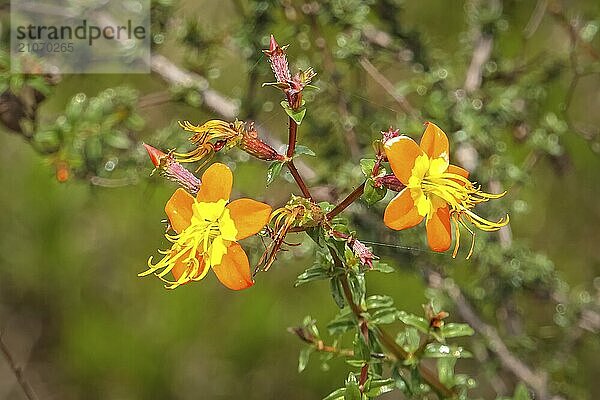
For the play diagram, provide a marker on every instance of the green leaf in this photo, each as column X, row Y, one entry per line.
column 377, row 301
column 336, row 292
column 303, row 150
column 521, row 392
column 343, row 322
column 352, row 391
column 303, row 358
column 366, row 166
column 317, row 235
column 382, row 267
column 314, row 273
column 296, row 115
column 385, row 315
column 409, row 339
column 336, row 394
column 441, row 350
column 273, row 171
column 117, row 140
column 445, row 367
column 456, row 330
column 377, row 387
column 373, row 194
column 412, row 320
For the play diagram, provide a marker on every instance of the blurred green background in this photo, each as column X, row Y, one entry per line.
column 83, row 325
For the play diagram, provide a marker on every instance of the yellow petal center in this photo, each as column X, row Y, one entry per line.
column 206, row 239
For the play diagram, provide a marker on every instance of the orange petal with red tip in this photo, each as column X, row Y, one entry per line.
column 435, row 142
column 402, row 213
column 455, row 169
column 216, row 184
column 179, row 210
column 439, row 235
column 249, row 216
column 234, row 270
column 402, row 152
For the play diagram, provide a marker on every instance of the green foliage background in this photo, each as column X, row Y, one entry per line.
column 76, row 316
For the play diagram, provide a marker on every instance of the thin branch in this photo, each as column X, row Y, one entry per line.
column 388, row 341
column 351, row 198
column 537, row 380
column 17, row 371
column 388, row 87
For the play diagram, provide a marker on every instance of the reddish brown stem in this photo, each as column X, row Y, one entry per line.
column 299, row 180
column 293, row 131
column 351, row 198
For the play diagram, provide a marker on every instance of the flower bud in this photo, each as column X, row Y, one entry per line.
column 172, row 170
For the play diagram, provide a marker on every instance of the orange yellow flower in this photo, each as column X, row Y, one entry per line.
column 207, row 229
column 436, row 191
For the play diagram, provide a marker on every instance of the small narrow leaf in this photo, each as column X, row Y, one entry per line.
column 445, row 367
column 412, row 320
column 336, row 394
column 385, row 315
column 273, row 171
column 366, row 166
column 303, row 150
column 456, row 330
column 377, row 387
column 303, row 358
column 373, row 194
column 377, row 301
column 296, row 115
column 441, row 350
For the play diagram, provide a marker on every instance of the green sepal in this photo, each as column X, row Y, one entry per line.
column 296, row 115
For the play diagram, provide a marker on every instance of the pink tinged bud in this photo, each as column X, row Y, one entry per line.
column 364, row 254
column 173, row 171
column 390, row 134
column 279, row 63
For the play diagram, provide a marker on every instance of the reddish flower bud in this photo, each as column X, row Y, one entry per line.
column 390, row 182
column 172, row 170
column 155, row 154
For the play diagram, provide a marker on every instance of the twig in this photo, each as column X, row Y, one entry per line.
column 537, row 380
column 388, row 341
column 481, row 54
column 17, row 371
column 388, row 87
column 351, row 198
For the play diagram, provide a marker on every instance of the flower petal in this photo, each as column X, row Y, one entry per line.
column 455, row 169
column 234, row 270
column 439, row 235
column 179, row 210
column 402, row 213
column 402, row 152
column 249, row 216
column 216, row 184
column 435, row 142
column 181, row 266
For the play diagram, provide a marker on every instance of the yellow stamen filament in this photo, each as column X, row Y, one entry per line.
column 204, row 137
column 461, row 195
